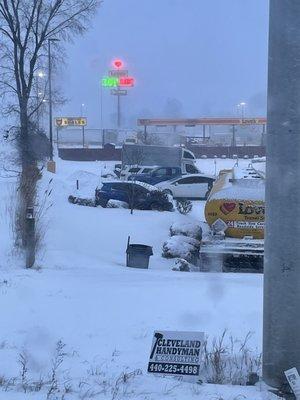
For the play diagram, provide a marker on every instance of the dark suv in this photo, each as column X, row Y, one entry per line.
column 138, row 195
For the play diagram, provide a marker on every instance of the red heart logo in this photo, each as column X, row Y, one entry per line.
column 118, row 63
column 227, row 208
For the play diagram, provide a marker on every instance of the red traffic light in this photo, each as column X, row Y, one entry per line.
column 118, row 64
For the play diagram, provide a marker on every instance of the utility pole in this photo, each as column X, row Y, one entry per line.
column 233, row 138
column 281, row 335
column 118, row 110
column 50, row 101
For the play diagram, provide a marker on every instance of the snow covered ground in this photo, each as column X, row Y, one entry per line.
column 105, row 314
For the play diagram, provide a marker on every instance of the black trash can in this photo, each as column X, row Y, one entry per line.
column 138, row 255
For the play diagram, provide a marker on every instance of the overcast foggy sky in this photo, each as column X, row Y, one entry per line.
column 208, row 54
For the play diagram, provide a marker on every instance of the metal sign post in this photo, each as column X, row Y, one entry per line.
column 119, row 110
column 118, row 92
column 83, row 137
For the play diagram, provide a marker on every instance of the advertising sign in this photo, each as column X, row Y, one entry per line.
column 176, row 353
column 118, row 92
column 292, row 375
column 64, row 122
column 243, row 218
column 250, row 121
column 118, row 72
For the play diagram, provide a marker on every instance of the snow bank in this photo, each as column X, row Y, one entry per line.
column 117, row 204
column 106, row 313
column 181, row 247
column 183, row 266
column 87, row 182
column 188, row 228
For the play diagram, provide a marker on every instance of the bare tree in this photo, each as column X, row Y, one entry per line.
column 133, row 156
column 26, row 26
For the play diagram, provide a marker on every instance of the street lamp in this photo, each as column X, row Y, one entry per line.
column 81, row 109
column 50, row 96
column 40, row 75
column 242, row 107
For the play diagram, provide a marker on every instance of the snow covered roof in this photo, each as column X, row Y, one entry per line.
column 241, row 192
column 145, row 185
column 242, row 184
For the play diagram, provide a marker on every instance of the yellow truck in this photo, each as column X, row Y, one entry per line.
column 235, row 213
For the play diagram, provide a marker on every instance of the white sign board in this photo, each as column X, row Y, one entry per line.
column 292, row 375
column 70, row 121
column 118, row 92
column 176, row 353
column 118, row 72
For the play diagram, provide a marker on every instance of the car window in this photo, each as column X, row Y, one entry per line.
column 194, row 179
column 174, row 171
column 139, row 190
column 146, row 170
column 134, row 170
column 199, row 179
column 117, row 186
column 106, row 187
column 191, row 169
column 161, row 172
column 187, row 154
column 169, row 171
column 184, row 181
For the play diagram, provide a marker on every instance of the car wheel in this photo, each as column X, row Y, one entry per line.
column 102, row 203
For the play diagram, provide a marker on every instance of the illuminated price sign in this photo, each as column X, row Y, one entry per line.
column 110, row 81
column 126, row 81
column 115, row 81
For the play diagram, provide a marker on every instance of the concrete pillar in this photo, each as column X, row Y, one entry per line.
column 281, row 336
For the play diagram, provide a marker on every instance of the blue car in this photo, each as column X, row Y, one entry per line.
column 157, row 175
column 137, row 194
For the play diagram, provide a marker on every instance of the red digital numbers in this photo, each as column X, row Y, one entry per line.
column 126, row 81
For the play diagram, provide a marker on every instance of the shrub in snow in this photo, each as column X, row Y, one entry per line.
column 191, row 229
column 182, row 265
column 117, row 204
column 230, row 361
column 184, row 206
column 181, row 247
column 81, row 201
